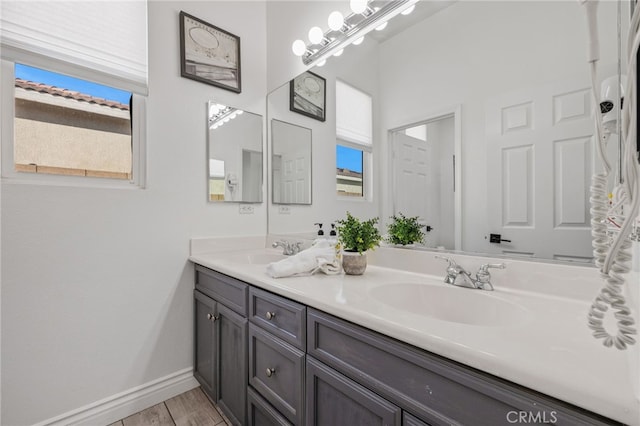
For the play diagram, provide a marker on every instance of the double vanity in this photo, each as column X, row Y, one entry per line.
column 398, row 346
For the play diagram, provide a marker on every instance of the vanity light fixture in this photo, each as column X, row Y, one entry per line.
column 220, row 114
column 345, row 30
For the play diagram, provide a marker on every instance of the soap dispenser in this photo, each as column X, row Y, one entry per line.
column 320, row 231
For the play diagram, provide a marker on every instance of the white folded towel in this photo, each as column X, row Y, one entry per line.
column 321, row 256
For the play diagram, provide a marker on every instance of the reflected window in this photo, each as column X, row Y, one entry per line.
column 349, row 169
column 216, row 180
column 354, row 132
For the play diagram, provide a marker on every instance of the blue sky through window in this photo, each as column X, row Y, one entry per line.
column 70, row 83
column 349, row 158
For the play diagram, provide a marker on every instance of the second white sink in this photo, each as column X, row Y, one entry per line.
column 450, row 303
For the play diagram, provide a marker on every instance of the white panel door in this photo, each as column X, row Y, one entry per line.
column 296, row 177
column 413, row 171
column 540, row 149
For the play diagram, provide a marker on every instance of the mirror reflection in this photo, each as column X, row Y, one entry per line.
column 235, row 154
column 518, row 74
column 290, row 163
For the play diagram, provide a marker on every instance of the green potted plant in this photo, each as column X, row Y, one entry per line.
column 404, row 230
column 356, row 238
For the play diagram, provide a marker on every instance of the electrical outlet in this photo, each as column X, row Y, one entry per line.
column 284, row 209
column 245, row 209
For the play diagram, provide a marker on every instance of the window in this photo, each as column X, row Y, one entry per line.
column 73, row 98
column 354, row 119
column 69, row 126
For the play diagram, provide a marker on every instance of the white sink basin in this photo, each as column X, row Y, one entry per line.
column 450, row 303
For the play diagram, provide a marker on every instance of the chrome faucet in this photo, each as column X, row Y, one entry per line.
column 457, row 275
column 288, row 247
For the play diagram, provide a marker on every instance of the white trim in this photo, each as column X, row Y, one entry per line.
column 124, row 404
column 456, row 112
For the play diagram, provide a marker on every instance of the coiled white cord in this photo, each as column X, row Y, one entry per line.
column 614, row 260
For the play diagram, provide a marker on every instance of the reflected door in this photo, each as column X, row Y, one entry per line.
column 424, row 178
column 540, row 162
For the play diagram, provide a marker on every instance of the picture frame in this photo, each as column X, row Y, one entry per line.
column 308, row 95
column 209, row 54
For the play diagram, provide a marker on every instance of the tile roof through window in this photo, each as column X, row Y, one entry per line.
column 69, row 94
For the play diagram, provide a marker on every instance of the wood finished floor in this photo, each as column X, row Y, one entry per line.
column 191, row 408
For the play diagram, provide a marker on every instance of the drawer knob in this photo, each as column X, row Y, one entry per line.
column 212, row 317
column 271, row 372
column 270, row 315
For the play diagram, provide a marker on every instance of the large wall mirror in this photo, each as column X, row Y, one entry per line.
column 514, row 77
column 235, row 154
column 290, row 163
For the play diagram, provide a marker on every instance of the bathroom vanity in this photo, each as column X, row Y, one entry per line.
column 303, row 350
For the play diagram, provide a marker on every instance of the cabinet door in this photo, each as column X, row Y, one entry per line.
column 206, row 360
column 232, row 353
column 260, row 413
column 333, row 400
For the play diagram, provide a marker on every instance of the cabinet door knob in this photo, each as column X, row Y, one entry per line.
column 271, row 372
column 270, row 315
column 212, row 317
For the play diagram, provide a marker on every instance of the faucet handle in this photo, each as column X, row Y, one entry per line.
column 483, row 277
column 484, row 269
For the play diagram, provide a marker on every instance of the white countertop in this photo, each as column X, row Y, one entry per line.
column 551, row 350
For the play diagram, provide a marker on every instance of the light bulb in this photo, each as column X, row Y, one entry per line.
column 226, row 120
column 298, row 47
column 382, row 26
column 315, row 35
column 336, row 20
column 358, row 6
column 321, row 63
column 409, row 9
column 232, row 116
column 339, row 52
column 215, row 126
column 358, row 41
column 240, row 111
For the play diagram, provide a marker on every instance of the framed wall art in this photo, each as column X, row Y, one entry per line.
column 209, row 54
column 308, row 95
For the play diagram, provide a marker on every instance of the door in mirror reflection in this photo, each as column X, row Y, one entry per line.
column 290, row 163
column 423, row 169
column 235, row 154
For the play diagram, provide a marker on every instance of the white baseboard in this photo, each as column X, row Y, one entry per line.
column 124, row 404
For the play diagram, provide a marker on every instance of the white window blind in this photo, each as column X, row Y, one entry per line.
column 105, row 37
column 354, row 115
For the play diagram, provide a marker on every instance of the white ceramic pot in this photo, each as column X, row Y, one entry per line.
column 354, row 263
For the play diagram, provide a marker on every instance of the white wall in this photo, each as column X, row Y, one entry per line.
column 357, row 66
column 96, row 286
column 473, row 50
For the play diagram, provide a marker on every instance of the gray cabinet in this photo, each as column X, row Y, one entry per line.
column 333, row 400
column 221, row 356
column 436, row 390
column 267, row 360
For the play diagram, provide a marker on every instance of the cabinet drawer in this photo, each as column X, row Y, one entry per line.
column 437, row 390
column 229, row 291
column 260, row 413
column 280, row 316
column 276, row 371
